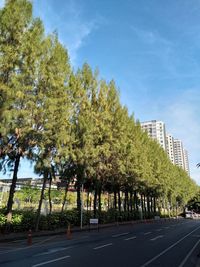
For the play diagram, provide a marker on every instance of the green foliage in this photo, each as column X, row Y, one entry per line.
column 2, row 220
column 28, row 194
column 73, row 124
column 23, row 221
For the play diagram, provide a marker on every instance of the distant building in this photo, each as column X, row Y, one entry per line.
column 186, row 161
column 35, row 182
column 170, row 147
column 178, row 153
column 173, row 147
column 156, row 130
column 20, row 182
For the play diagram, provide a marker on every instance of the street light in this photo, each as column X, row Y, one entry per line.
column 82, row 206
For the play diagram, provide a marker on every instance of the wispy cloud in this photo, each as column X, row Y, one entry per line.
column 72, row 26
column 150, row 36
column 155, row 47
column 76, row 36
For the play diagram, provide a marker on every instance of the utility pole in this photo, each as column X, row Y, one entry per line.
column 82, row 206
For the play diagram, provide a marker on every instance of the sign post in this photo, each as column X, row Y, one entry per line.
column 94, row 222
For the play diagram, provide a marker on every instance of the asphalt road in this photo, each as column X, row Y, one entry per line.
column 166, row 244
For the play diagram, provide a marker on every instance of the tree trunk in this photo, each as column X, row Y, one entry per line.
column 65, row 198
column 90, row 202
column 108, row 201
column 135, row 201
column 49, row 194
column 148, row 205
column 142, row 203
column 119, row 200
column 78, row 199
column 151, row 203
column 154, row 204
column 126, row 201
column 131, row 200
column 95, row 203
column 87, row 203
column 145, row 208
column 41, row 199
column 12, row 189
column 115, row 199
column 99, row 198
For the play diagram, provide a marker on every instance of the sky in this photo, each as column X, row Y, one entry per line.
column 150, row 48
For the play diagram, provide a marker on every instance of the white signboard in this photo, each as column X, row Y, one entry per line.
column 94, row 221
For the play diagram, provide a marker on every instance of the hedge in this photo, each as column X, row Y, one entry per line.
column 24, row 220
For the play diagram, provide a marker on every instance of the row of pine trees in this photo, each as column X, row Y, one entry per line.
column 72, row 124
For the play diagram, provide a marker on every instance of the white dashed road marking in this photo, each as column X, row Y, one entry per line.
column 103, row 246
column 147, row 233
column 157, row 237
column 47, row 262
column 120, row 234
column 130, row 238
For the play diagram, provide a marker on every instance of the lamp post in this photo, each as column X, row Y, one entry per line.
column 82, row 206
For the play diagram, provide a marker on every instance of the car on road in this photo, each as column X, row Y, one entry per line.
column 191, row 215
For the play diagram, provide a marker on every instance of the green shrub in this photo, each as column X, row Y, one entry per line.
column 2, row 222
column 24, row 220
column 28, row 220
column 16, row 223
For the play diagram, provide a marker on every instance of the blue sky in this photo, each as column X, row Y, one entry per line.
column 150, row 48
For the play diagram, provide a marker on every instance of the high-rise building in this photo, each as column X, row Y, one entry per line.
column 173, row 147
column 178, row 153
column 155, row 130
column 186, row 161
column 170, row 147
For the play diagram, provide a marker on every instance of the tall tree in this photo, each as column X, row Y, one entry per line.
column 19, row 42
column 53, row 112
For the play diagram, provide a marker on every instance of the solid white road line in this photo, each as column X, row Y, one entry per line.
column 167, row 249
column 120, row 234
column 53, row 250
column 45, row 240
column 17, row 249
column 188, row 255
column 147, row 233
column 130, row 238
column 106, row 245
column 157, row 237
column 46, row 262
column 38, row 244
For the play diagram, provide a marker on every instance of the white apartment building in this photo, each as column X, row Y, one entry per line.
column 178, row 153
column 186, row 161
column 170, row 147
column 155, row 130
column 173, row 147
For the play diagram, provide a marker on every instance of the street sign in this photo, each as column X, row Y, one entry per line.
column 94, row 221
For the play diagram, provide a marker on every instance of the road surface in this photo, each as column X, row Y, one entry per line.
column 174, row 243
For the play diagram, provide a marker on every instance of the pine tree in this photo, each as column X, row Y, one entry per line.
column 20, row 38
column 53, row 111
